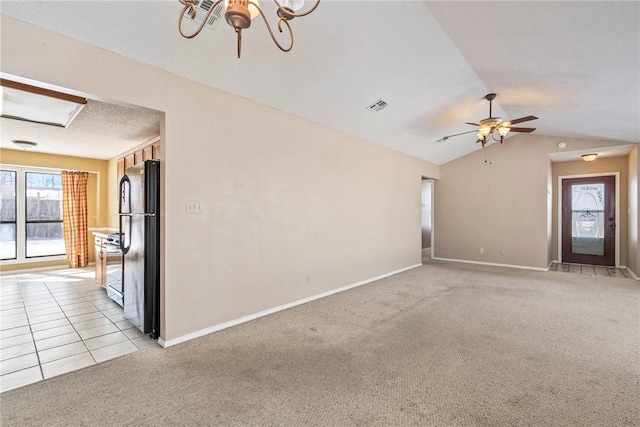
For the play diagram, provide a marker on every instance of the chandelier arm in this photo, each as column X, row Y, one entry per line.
column 280, row 21
column 190, row 6
column 293, row 14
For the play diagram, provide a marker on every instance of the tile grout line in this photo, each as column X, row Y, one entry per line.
column 610, row 271
column 103, row 314
column 29, row 324
column 33, row 338
column 71, row 323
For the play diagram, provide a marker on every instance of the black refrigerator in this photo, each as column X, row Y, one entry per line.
column 140, row 244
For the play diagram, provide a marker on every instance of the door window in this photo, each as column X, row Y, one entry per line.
column 587, row 218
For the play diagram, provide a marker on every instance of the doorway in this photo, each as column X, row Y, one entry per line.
column 426, row 218
column 589, row 220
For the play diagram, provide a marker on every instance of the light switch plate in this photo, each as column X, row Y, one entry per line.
column 194, row 207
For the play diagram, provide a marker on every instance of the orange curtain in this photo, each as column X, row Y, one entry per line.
column 74, row 217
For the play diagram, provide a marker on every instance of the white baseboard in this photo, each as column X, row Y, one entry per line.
column 50, row 267
column 633, row 275
column 248, row 318
column 522, row 267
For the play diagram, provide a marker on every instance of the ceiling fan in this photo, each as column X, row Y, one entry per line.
column 487, row 127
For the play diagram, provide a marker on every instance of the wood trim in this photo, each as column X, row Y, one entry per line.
column 41, row 91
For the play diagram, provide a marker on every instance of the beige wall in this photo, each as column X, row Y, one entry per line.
column 112, row 193
column 291, row 208
column 502, row 206
column 96, row 189
column 633, row 259
column 598, row 166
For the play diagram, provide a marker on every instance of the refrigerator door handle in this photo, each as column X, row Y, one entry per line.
column 124, row 203
column 125, row 195
column 125, row 239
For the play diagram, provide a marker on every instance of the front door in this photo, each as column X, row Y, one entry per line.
column 588, row 220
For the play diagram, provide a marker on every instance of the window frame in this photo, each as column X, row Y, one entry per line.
column 15, row 214
column 21, row 216
column 27, row 221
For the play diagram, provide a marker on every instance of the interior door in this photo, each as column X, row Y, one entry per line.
column 589, row 220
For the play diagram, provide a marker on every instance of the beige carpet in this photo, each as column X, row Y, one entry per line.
column 443, row 345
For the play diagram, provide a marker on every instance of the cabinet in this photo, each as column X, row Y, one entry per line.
column 101, row 262
column 108, row 260
column 156, row 150
column 129, row 161
column 148, row 152
column 138, row 157
column 120, row 168
column 101, row 267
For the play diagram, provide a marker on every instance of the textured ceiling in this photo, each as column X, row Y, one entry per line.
column 575, row 65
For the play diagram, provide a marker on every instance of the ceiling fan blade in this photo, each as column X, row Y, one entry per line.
column 444, row 138
column 472, row 124
column 522, row 119
column 523, row 130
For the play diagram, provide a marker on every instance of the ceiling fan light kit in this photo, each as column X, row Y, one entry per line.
column 239, row 13
column 487, row 128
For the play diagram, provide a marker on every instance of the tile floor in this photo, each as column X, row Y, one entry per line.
column 590, row 270
column 587, row 270
column 57, row 321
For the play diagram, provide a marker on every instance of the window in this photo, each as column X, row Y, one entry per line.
column 30, row 214
column 45, row 234
column 8, row 229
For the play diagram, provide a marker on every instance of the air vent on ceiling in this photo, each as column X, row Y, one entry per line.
column 201, row 11
column 377, row 106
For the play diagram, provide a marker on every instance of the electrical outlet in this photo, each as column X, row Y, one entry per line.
column 194, row 207
column 481, row 250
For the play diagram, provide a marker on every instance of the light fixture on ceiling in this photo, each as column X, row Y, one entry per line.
column 21, row 101
column 589, row 157
column 239, row 13
column 562, row 145
column 25, row 145
column 487, row 128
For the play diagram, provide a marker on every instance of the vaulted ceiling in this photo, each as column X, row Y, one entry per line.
column 575, row 65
